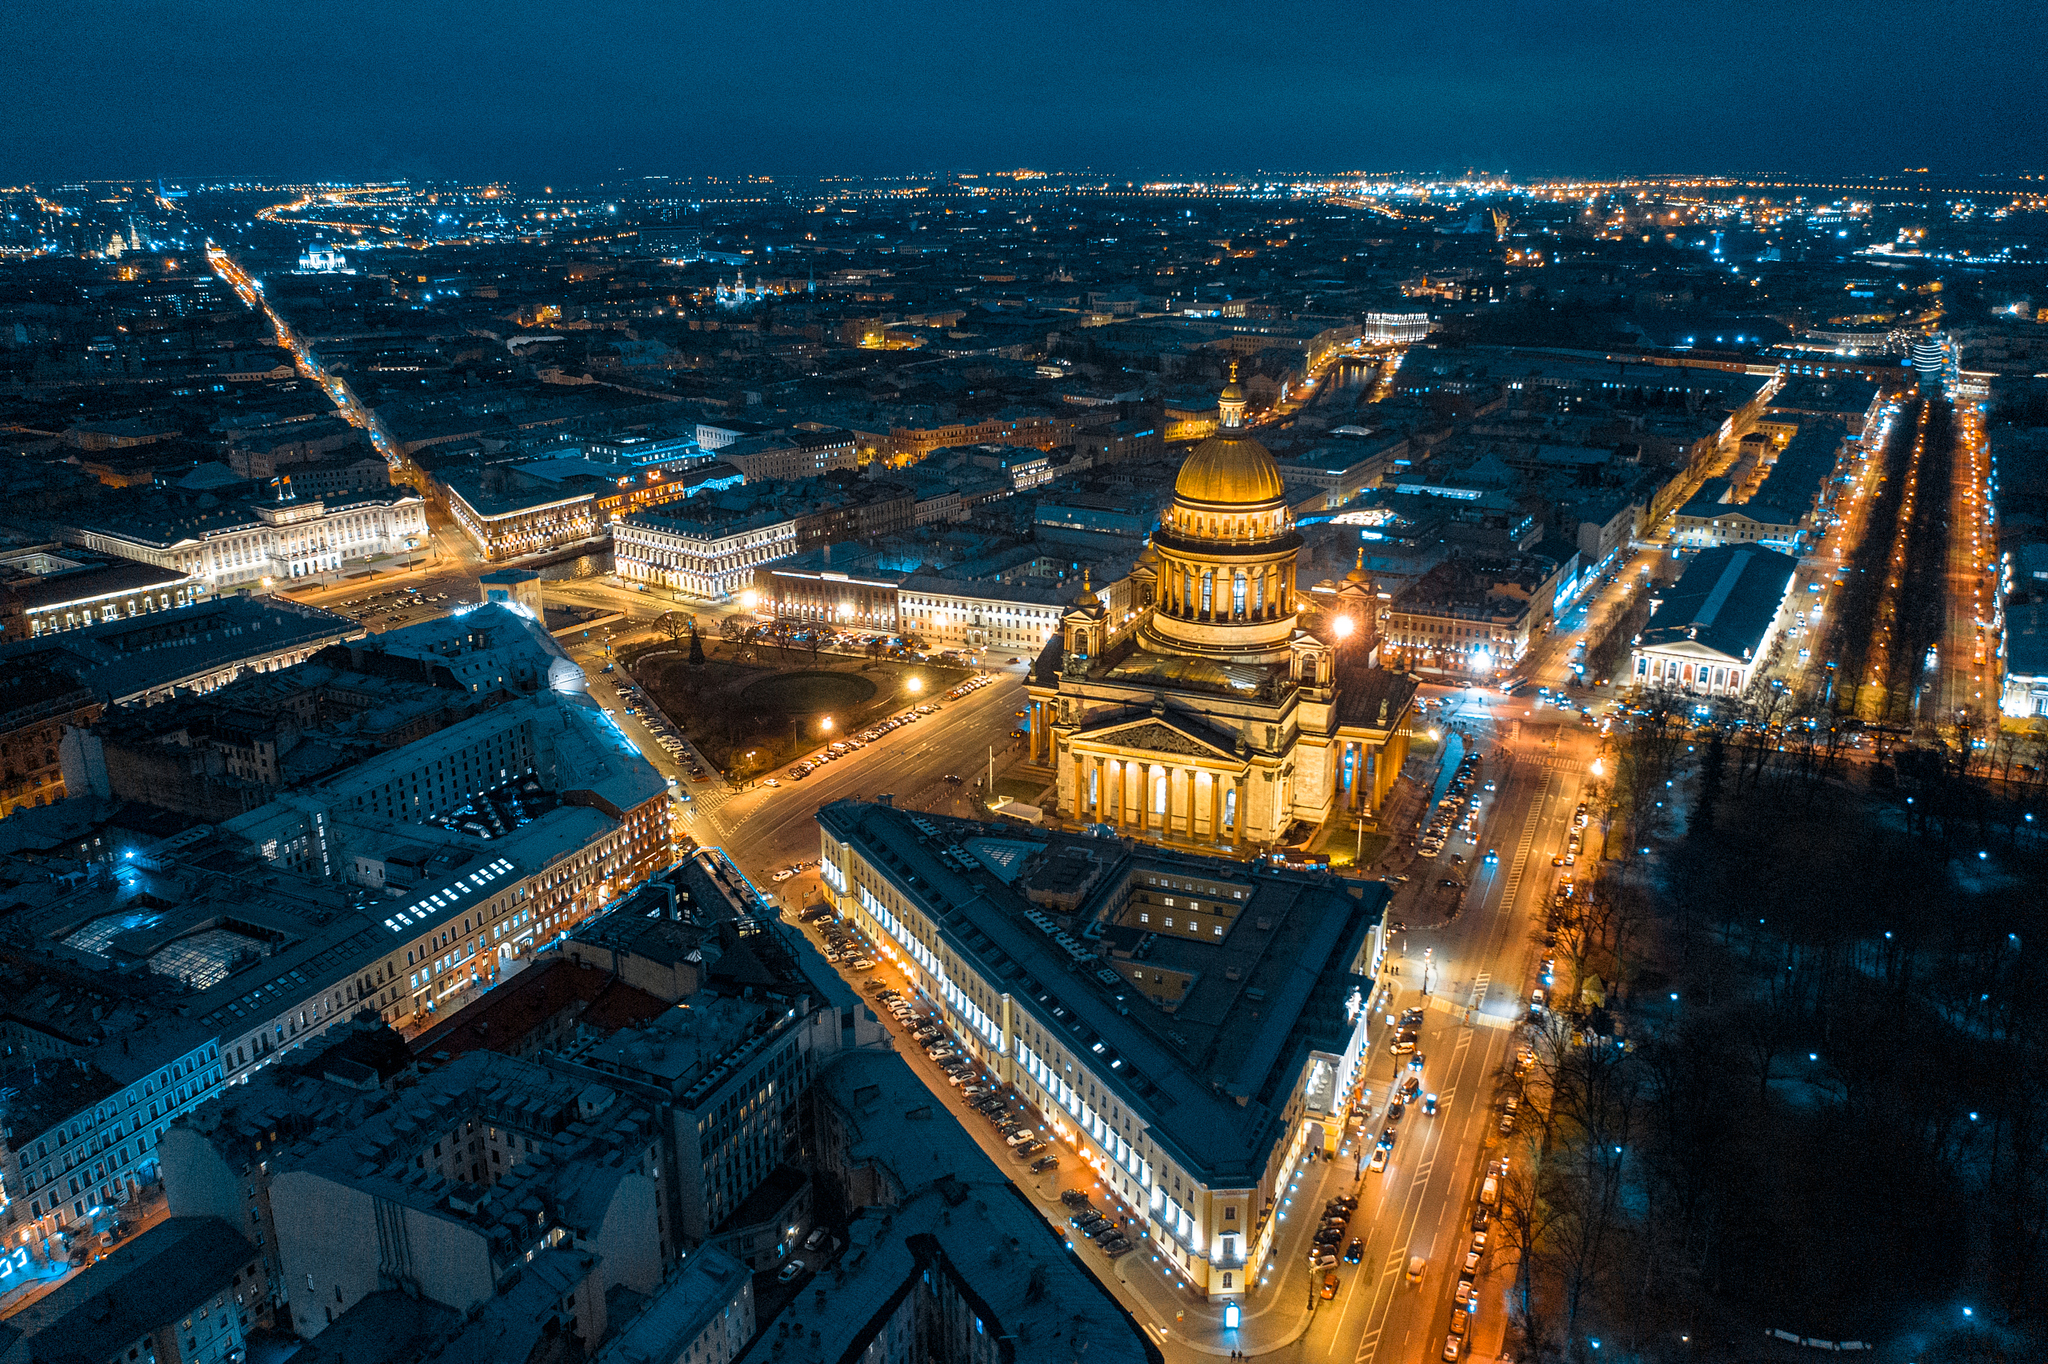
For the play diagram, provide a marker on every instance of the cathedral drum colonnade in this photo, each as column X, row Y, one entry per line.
column 1226, row 711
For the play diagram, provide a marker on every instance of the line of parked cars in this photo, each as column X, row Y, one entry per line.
column 843, row 945
column 1456, row 814
column 972, row 684
column 1465, row 1303
column 981, row 1092
column 1332, row 1233
column 1103, row 1231
column 634, row 702
column 853, row 743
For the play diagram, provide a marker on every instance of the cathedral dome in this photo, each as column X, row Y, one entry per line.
column 1233, row 471
column 1230, row 469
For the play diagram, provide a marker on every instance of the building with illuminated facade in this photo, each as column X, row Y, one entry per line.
column 1475, row 616
column 1016, row 617
column 791, row 455
column 1189, row 1025
column 1713, row 628
column 837, row 586
column 712, row 556
column 67, row 594
column 261, row 541
column 1214, row 706
column 509, row 518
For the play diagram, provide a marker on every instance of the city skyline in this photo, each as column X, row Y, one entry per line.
column 991, row 764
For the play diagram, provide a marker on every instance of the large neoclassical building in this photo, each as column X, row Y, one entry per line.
column 1221, row 709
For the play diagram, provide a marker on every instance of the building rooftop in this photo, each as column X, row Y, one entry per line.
column 1726, row 600
column 1262, row 980
column 88, row 584
column 678, row 1313
column 954, row 1214
column 126, row 660
column 578, row 1129
column 515, row 1018
column 158, row 1277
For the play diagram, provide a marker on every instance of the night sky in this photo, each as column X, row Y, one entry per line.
column 587, row 91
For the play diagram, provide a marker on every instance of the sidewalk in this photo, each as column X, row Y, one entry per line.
column 136, row 1216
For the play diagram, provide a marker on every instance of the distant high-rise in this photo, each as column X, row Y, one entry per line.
column 1934, row 361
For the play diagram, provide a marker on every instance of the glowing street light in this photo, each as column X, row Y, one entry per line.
column 913, row 685
column 826, row 724
column 1343, row 627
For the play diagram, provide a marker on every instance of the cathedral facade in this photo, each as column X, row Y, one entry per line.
column 1221, row 710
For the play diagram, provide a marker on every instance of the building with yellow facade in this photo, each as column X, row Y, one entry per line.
column 1220, row 708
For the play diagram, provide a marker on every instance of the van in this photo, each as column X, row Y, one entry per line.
column 1489, row 1192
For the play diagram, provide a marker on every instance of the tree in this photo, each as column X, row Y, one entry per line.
column 674, row 624
column 696, row 647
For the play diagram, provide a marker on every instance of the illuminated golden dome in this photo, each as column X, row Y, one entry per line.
column 1230, row 468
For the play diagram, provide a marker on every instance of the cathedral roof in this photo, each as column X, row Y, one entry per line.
column 1230, row 468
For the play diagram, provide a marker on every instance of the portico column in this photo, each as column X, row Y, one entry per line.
column 1080, row 789
column 1101, row 789
column 1237, row 825
column 1215, row 807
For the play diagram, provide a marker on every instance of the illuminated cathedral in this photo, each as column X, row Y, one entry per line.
column 1222, row 710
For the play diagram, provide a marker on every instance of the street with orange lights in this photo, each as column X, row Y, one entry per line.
column 1969, row 657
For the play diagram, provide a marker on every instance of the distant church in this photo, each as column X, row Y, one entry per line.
column 1223, row 711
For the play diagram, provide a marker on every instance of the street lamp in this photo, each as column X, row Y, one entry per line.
column 913, row 685
column 826, row 724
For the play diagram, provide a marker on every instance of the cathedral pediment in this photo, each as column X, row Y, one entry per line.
column 1154, row 735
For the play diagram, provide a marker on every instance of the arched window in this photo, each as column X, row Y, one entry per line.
column 1259, row 595
column 1237, row 596
column 1208, row 594
column 1158, row 790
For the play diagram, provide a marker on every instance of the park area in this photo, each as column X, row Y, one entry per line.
column 757, row 712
